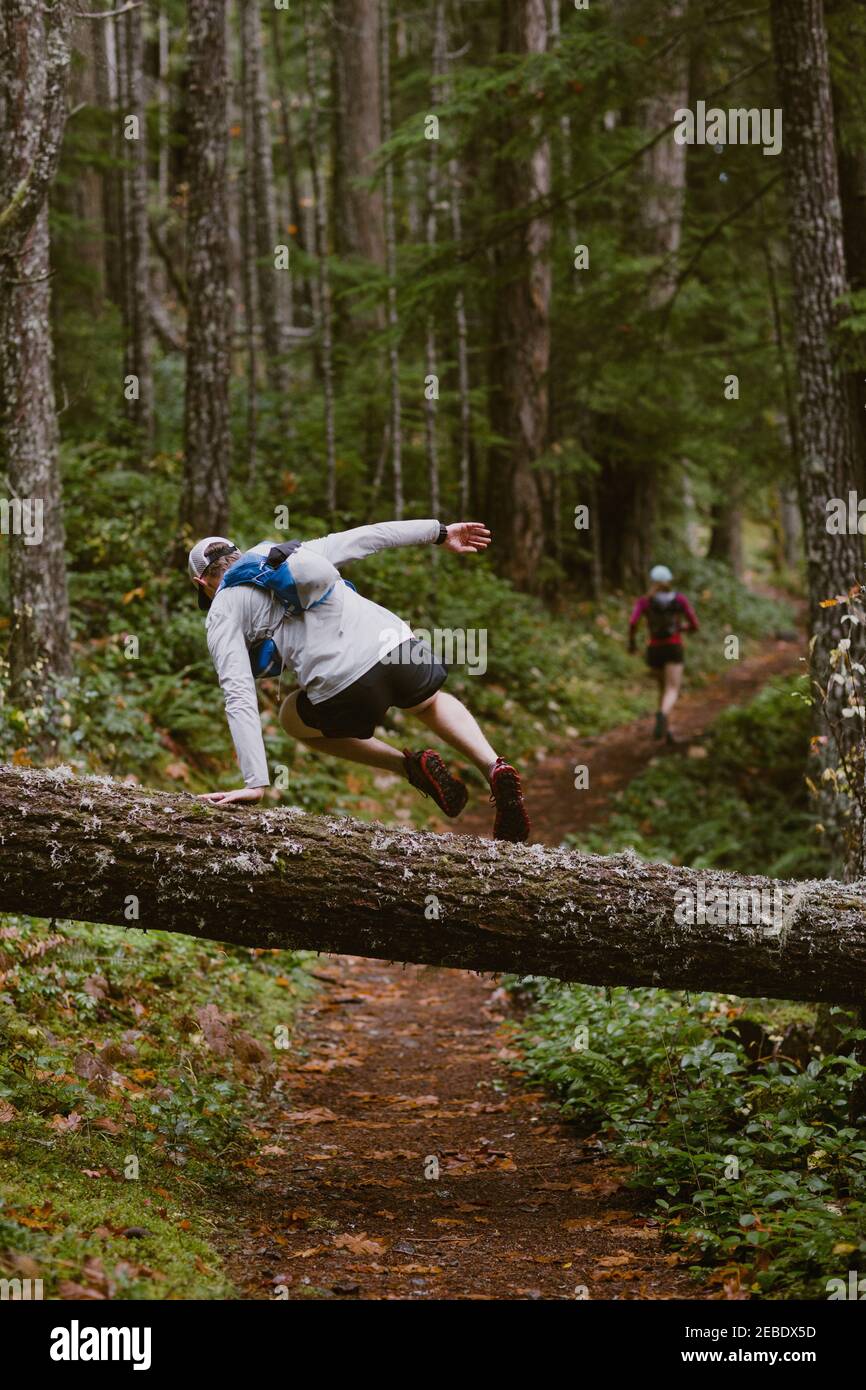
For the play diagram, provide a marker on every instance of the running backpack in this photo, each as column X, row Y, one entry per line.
column 272, row 572
column 663, row 616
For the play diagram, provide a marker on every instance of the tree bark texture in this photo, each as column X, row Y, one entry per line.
column 205, row 504
column 34, row 67
column 272, row 287
column 521, row 347
column 135, row 235
column 827, row 452
column 359, row 212
column 98, row 851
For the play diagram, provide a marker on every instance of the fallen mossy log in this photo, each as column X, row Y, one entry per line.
column 96, row 850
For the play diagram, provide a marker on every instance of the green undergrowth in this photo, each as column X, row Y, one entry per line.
column 135, row 1073
column 733, row 1113
column 750, row 1163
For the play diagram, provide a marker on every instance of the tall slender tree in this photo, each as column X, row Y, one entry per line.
column 825, row 434
column 300, row 291
column 391, row 263
column 359, row 213
column 132, row 131
column 455, row 194
column 323, row 277
column 272, row 283
column 205, row 505
column 34, row 69
column 431, row 229
column 521, row 347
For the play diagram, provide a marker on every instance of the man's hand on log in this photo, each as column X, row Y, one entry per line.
column 241, row 794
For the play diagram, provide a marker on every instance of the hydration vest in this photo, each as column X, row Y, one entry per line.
column 663, row 615
column 272, row 572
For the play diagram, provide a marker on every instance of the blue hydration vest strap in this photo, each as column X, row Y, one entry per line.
column 273, row 573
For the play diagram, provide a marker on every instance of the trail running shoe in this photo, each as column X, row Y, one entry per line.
column 512, row 822
column 661, row 727
column 426, row 771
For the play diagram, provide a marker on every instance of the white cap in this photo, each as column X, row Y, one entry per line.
column 199, row 558
column 660, row 574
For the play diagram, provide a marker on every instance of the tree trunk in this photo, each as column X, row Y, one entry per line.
column 250, row 301
column 138, row 396
column 82, row 196
column 566, row 139
column 431, row 393
column 391, row 263
column 300, row 290
column 107, row 78
column 825, row 436
column 852, row 189
column 662, row 169
column 726, row 535
column 521, row 347
column 206, row 417
column 454, row 196
column 34, row 66
column 412, row 201
column 97, row 851
column 163, row 125
column 271, row 285
column 322, row 276
column 359, row 213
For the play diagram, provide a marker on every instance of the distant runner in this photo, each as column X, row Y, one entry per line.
column 665, row 611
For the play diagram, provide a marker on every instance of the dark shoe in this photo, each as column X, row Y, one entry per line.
column 661, row 727
column 512, row 822
column 426, row 771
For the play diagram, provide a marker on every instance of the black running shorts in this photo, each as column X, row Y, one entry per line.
column 409, row 675
column 661, row 655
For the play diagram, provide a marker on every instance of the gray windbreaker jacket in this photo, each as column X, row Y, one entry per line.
column 328, row 648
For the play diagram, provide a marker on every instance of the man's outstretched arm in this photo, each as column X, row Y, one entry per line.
column 463, row 537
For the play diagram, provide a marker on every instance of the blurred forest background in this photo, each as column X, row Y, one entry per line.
column 376, row 258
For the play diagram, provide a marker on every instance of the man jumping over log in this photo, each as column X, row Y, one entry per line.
column 287, row 606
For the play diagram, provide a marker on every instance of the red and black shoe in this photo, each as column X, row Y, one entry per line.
column 426, row 771
column 506, row 792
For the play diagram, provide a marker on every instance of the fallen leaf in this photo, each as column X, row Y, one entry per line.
column 359, row 1245
column 66, row 1124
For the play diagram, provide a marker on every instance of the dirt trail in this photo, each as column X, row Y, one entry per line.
column 405, row 1065
column 395, row 1066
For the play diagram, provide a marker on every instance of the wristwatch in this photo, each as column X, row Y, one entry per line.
column 443, row 532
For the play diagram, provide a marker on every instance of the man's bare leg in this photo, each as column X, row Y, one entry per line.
column 373, row 752
column 454, row 724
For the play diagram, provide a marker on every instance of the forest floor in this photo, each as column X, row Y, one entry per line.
column 397, row 1065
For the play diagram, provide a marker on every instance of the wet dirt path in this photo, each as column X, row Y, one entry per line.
column 406, row 1158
